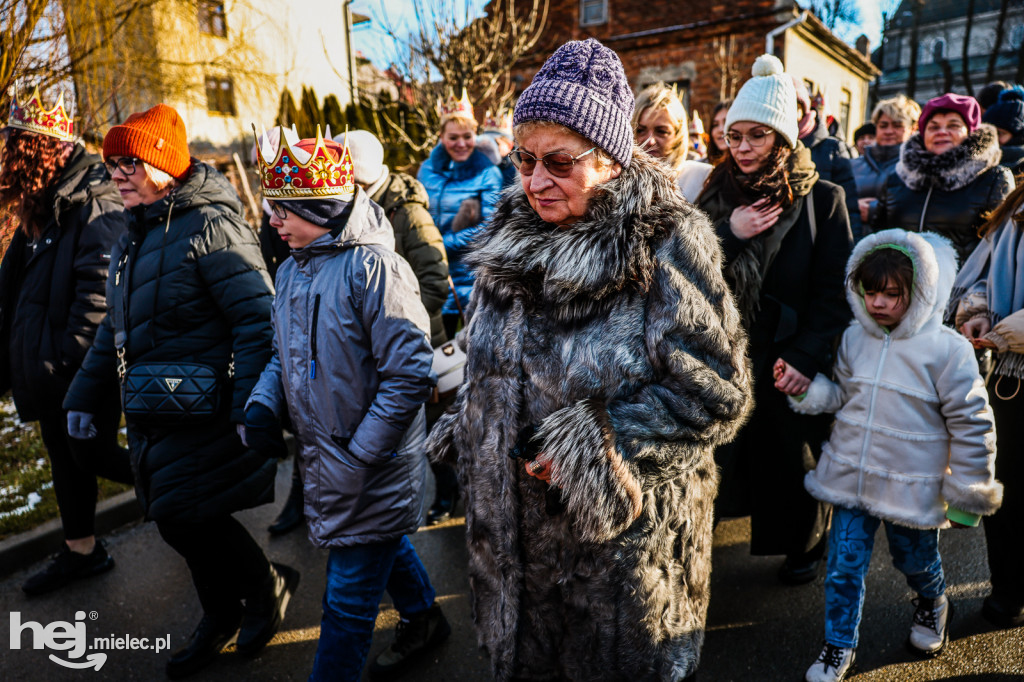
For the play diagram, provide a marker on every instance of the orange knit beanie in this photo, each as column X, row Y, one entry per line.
column 156, row 136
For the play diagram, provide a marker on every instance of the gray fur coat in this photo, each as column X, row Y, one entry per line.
column 618, row 340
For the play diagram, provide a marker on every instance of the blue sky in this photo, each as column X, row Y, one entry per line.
column 378, row 47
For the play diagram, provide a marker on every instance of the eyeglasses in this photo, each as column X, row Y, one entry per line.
column 757, row 138
column 125, row 164
column 279, row 211
column 559, row 164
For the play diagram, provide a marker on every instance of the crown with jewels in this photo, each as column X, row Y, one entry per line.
column 500, row 123
column 290, row 172
column 456, row 107
column 31, row 115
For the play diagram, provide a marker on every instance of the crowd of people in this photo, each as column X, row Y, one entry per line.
column 657, row 328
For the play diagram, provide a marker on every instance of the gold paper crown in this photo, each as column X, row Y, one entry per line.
column 456, row 107
column 502, row 123
column 291, row 172
column 31, row 115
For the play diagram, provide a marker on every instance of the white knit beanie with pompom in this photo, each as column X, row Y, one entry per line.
column 768, row 98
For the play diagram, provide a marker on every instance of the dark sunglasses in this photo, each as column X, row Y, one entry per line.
column 125, row 164
column 559, row 164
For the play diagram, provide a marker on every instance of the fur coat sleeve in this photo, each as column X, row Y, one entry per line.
column 606, row 455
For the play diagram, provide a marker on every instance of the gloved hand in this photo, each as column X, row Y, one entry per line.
column 468, row 215
column 262, row 431
column 80, row 425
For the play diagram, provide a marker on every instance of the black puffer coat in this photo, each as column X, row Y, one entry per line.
column 52, row 290
column 831, row 156
column 947, row 193
column 418, row 241
column 197, row 291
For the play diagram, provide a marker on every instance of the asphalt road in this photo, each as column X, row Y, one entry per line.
column 757, row 628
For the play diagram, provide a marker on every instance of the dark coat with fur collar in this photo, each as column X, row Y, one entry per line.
column 618, row 339
column 946, row 193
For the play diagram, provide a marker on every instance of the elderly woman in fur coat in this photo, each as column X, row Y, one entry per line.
column 605, row 363
column 948, row 178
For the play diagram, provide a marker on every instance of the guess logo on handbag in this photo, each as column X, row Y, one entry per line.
column 171, row 383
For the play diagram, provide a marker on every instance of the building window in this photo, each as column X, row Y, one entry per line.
column 593, row 12
column 220, row 96
column 892, row 52
column 211, row 18
column 938, row 50
column 844, row 111
column 1017, row 36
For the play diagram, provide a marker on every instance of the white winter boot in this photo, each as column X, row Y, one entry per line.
column 833, row 665
column 930, row 631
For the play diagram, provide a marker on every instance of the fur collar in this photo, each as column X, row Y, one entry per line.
column 951, row 170
column 934, row 271
column 577, row 272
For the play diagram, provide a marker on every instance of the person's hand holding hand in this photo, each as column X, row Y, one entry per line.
column 262, row 431
column 788, row 379
column 750, row 221
column 974, row 329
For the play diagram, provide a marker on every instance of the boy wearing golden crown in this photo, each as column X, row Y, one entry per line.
column 52, row 283
column 351, row 365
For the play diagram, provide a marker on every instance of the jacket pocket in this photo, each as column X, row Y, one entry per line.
column 350, row 457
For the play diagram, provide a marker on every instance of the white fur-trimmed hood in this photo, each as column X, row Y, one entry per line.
column 934, row 271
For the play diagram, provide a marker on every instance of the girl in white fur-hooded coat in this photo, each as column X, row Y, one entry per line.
column 605, row 363
column 913, row 444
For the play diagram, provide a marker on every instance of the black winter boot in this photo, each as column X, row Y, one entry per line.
column 67, row 566
column 413, row 638
column 209, row 638
column 264, row 612
column 291, row 516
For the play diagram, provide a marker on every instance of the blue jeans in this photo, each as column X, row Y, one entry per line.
column 914, row 552
column 356, row 580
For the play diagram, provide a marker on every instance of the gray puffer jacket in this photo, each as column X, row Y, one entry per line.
column 352, row 363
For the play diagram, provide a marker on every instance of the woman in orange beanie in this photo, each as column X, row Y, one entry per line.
column 189, row 305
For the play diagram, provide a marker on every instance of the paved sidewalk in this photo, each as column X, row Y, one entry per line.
column 758, row 630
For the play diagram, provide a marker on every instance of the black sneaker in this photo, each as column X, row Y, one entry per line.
column 1002, row 612
column 209, row 638
column 67, row 566
column 413, row 638
column 263, row 613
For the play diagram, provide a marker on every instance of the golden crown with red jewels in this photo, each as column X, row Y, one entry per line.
column 499, row 123
column 456, row 107
column 31, row 115
column 292, row 171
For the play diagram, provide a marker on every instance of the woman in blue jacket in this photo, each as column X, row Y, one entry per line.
column 463, row 186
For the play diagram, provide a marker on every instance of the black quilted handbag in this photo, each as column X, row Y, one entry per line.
column 169, row 393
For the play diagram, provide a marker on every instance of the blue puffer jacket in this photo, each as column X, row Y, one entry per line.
column 449, row 183
column 352, row 363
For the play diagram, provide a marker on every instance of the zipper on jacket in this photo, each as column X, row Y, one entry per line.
column 871, row 415
column 924, row 210
column 312, row 337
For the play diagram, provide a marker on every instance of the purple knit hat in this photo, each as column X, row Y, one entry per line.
column 967, row 107
column 583, row 87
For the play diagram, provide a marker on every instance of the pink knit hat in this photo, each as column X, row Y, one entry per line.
column 967, row 107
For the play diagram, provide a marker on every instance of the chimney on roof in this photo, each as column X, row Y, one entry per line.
column 863, row 45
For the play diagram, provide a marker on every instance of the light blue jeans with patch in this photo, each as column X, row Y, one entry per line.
column 915, row 553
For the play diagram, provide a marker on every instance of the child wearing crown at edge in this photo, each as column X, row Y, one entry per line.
column 352, row 363
column 913, row 446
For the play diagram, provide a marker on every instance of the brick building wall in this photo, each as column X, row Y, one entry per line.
column 670, row 40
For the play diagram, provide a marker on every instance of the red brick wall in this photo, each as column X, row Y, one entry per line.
column 748, row 20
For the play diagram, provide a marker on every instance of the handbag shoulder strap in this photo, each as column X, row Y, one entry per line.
column 455, row 296
column 811, row 217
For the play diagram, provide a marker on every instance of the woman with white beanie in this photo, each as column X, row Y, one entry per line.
column 786, row 239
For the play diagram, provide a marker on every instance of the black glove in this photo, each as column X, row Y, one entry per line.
column 263, row 431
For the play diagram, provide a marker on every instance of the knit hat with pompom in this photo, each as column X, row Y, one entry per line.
column 1008, row 113
column 583, row 87
column 768, row 98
